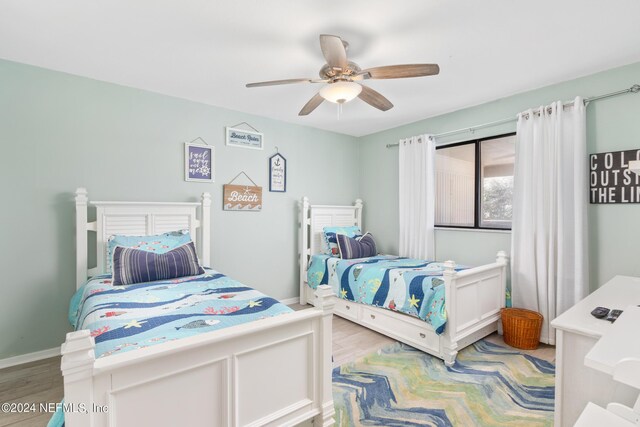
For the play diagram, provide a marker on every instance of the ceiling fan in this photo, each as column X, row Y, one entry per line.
column 342, row 76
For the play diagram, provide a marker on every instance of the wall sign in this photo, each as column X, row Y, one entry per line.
column 244, row 138
column 611, row 180
column 242, row 198
column 277, row 173
column 198, row 162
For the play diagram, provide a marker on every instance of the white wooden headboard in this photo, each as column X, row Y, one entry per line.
column 137, row 219
column 313, row 218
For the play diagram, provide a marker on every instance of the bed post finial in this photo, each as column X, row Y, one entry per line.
column 358, row 206
column 82, row 266
column 205, row 229
column 81, row 195
column 449, row 267
column 325, row 301
column 502, row 258
column 78, row 356
column 206, row 199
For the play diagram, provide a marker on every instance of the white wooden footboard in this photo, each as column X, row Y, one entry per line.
column 473, row 298
column 274, row 371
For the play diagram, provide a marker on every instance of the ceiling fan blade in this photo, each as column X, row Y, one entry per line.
column 375, row 99
column 362, row 75
column 334, row 51
column 403, row 71
column 284, row 82
column 311, row 105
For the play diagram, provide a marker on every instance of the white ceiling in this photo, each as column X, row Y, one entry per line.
column 207, row 50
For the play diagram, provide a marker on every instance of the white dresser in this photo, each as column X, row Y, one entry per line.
column 577, row 332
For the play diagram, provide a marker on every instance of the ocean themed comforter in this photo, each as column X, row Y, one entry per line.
column 124, row 318
column 410, row 286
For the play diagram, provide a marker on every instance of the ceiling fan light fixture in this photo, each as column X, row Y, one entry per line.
column 340, row 92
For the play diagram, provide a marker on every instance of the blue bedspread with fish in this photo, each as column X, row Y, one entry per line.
column 410, row 286
column 124, row 318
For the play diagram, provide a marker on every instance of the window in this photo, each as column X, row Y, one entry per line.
column 474, row 183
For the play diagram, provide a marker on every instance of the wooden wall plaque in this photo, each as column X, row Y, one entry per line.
column 242, row 198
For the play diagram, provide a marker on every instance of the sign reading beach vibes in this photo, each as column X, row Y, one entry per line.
column 242, row 198
column 198, row 162
column 244, row 138
column 611, row 180
column 277, row 173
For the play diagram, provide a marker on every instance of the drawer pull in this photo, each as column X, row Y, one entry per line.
column 348, row 307
column 422, row 335
column 373, row 316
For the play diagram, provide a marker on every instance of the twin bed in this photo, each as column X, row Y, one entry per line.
column 399, row 297
column 202, row 350
column 205, row 349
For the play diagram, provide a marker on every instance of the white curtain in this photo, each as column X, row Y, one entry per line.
column 549, row 266
column 417, row 197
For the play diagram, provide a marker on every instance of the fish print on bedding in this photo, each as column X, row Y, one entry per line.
column 123, row 318
column 410, row 286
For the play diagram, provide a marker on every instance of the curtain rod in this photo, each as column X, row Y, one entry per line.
column 632, row 89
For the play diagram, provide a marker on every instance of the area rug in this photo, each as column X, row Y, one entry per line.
column 489, row 385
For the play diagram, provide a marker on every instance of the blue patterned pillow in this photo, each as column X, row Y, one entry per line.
column 361, row 247
column 159, row 243
column 330, row 244
column 137, row 266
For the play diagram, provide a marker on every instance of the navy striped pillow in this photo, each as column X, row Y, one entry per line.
column 137, row 266
column 361, row 247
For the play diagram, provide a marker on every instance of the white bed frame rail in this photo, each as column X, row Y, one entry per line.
column 474, row 297
column 274, row 371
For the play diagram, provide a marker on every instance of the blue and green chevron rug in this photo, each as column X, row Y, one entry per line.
column 490, row 385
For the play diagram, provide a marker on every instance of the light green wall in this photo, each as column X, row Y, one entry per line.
column 59, row 132
column 612, row 124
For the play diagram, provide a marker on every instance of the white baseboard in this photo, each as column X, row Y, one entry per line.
column 290, row 301
column 29, row 357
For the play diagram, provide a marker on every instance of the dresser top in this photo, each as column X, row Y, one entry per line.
column 619, row 343
column 618, row 293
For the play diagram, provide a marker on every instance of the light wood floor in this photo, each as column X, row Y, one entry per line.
column 41, row 381
column 35, row 382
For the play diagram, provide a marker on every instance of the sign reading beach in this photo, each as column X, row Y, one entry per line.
column 242, row 198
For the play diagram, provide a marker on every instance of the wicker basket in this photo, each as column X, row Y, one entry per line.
column 521, row 327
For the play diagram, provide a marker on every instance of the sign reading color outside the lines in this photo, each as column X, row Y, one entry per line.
column 610, row 179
